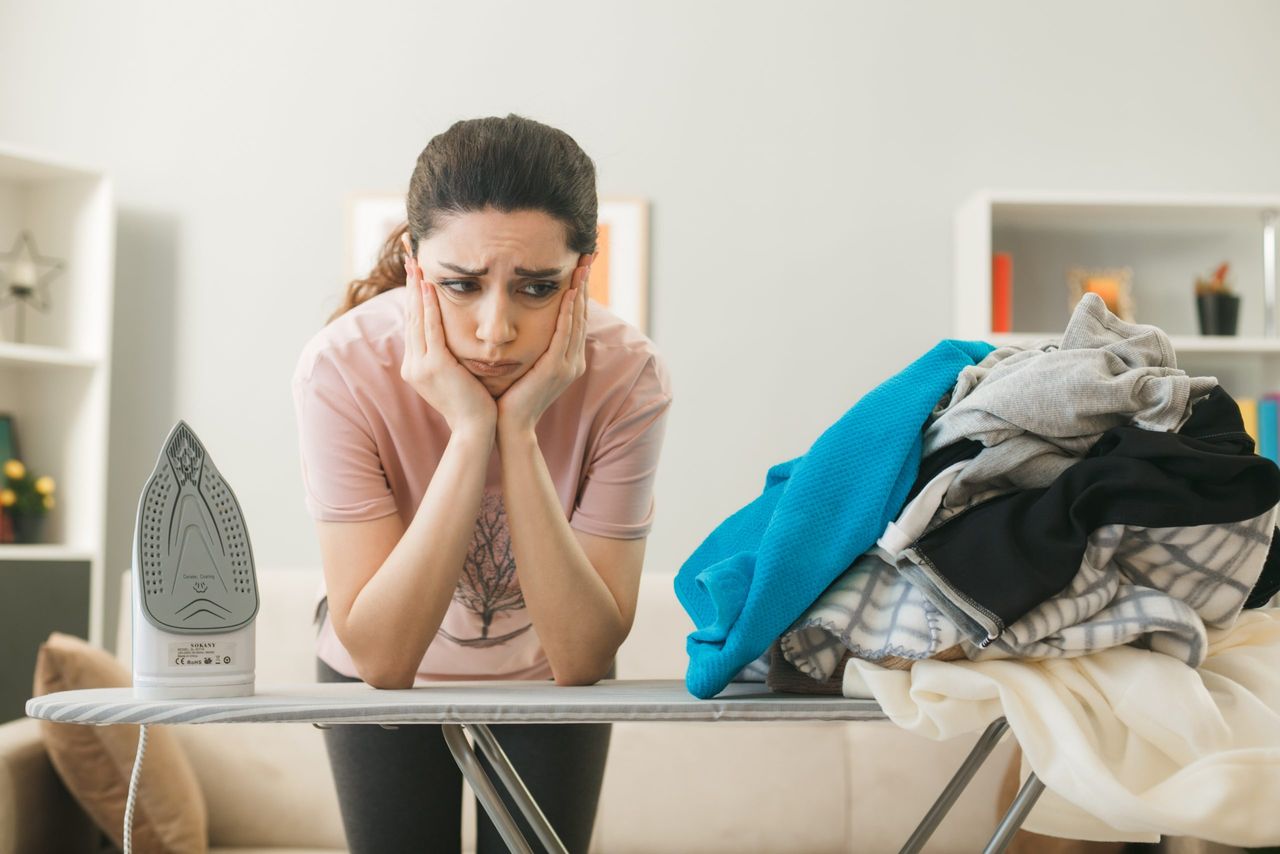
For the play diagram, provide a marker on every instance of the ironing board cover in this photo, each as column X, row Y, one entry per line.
column 455, row 702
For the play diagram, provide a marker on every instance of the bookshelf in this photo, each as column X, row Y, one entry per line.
column 56, row 385
column 1167, row 240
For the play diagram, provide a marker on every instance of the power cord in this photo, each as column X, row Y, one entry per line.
column 133, row 789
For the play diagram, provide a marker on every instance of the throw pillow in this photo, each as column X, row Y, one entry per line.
column 95, row 762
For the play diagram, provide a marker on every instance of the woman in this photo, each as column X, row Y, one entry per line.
column 478, row 449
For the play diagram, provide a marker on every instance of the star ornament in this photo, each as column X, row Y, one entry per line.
column 25, row 273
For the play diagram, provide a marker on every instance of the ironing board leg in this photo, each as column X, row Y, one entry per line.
column 986, row 743
column 1017, row 813
column 469, row 763
column 516, row 788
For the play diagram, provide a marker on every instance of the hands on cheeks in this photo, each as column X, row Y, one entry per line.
column 429, row 365
column 564, row 360
column 431, row 368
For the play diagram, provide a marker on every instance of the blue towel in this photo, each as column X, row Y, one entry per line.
column 764, row 565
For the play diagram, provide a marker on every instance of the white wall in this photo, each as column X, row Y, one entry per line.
column 803, row 161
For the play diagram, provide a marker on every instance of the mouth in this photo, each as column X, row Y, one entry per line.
column 491, row 369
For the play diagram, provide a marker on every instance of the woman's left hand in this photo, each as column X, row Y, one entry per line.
column 521, row 405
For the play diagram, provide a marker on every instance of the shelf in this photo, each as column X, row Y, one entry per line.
column 1244, row 345
column 1125, row 212
column 37, row 355
column 10, row 551
column 55, row 382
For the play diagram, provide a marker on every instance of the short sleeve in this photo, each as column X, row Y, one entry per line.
column 616, row 497
column 342, row 472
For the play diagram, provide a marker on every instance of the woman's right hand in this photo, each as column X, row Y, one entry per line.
column 430, row 367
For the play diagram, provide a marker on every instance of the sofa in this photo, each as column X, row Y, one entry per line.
column 688, row 787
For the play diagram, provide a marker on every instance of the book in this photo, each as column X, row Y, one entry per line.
column 1249, row 412
column 1267, row 413
column 1002, row 292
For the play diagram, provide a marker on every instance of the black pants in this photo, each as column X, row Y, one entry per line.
column 400, row 790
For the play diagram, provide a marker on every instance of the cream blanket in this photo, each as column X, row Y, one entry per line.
column 1130, row 743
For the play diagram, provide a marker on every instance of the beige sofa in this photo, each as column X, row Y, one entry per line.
column 688, row 787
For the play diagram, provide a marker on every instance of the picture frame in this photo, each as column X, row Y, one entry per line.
column 8, row 439
column 1113, row 284
column 619, row 277
column 370, row 219
column 8, row 451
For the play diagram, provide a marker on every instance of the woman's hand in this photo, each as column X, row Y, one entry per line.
column 430, row 366
column 521, row 405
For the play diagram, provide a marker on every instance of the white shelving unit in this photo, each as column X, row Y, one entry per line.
column 56, row 382
column 1166, row 240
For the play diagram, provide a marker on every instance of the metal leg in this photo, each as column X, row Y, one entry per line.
column 1017, row 813
column 469, row 763
column 516, row 788
column 986, row 743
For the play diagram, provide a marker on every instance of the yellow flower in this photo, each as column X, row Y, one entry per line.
column 14, row 469
column 44, row 485
column 8, row 498
column 48, row 502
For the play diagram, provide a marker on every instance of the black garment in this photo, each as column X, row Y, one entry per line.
column 1268, row 584
column 997, row 560
column 934, row 464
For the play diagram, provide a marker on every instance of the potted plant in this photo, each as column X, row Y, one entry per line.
column 1217, row 304
column 25, row 500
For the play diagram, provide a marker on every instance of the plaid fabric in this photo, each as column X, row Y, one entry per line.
column 1155, row 588
column 872, row 612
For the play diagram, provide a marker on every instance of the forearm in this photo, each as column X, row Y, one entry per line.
column 398, row 612
column 574, row 613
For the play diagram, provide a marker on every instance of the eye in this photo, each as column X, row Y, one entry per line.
column 458, row 286
column 540, row 290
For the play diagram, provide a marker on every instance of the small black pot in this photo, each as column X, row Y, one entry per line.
column 27, row 527
column 1218, row 313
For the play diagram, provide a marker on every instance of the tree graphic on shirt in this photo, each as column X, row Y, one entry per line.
column 489, row 585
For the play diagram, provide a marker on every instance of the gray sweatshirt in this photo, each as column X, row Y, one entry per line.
column 1039, row 409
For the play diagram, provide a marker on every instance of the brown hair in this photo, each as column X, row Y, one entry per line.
column 510, row 164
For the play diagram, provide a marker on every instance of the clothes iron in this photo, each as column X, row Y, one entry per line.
column 195, row 591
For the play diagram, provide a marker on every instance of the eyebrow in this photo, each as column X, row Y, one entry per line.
column 520, row 271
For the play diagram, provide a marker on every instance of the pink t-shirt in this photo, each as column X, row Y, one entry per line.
column 370, row 444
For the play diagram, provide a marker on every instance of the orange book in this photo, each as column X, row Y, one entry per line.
column 1002, row 292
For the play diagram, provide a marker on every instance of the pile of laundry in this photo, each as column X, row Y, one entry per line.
column 1036, row 505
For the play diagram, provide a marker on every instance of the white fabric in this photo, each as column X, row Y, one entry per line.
column 914, row 518
column 1130, row 743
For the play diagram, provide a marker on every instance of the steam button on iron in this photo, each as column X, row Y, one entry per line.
column 195, row 591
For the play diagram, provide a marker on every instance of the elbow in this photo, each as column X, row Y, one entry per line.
column 385, row 679
column 588, row 675
column 390, row 684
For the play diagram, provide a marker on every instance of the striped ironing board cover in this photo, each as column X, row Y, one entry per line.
column 478, row 702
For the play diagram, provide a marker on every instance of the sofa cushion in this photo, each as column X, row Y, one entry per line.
column 95, row 762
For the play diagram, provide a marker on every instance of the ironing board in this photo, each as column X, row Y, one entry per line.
column 472, row 706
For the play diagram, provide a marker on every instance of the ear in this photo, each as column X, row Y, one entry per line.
column 408, row 247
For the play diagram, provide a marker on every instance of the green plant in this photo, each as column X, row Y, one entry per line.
column 25, row 494
column 1217, row 283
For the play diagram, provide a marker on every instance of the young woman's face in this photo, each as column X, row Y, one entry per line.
column 499, row 277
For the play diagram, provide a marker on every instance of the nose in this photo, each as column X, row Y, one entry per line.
column 495, row 325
